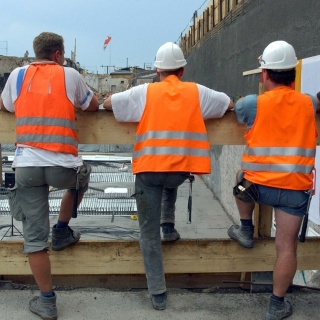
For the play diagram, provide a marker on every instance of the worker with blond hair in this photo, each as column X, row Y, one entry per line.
column 171, row 142
column 277, row 164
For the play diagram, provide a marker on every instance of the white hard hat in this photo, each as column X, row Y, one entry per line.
column 278, row 55
column 169, row 57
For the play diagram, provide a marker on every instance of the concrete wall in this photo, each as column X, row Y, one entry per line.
column 219, row 59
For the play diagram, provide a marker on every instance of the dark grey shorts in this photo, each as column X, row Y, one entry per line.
column 32, row 194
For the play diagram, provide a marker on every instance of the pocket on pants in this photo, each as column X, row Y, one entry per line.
column 84, row 174
column 14, row 204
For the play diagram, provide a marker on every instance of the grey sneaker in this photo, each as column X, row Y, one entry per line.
column 44, row 307
column 159, row 301
column 244, row 235
column 169, row 233
column 278, row 310
column 63, row 237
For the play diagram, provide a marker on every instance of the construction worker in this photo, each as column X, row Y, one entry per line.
column 43, row 96
column 171, row 142
column 277, row 164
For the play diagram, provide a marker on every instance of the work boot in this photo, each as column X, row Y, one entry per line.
column 63, row 237
column 159, row 301
column 244, row 235
column 169, row 232
column 278, row 310
column 45, row 307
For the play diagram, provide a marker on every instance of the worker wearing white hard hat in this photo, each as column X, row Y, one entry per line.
column 278, row 55
column 277, row 164
column 169, row 57
column 171, row 143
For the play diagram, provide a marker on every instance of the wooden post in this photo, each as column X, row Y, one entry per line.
column 1, row 166
column 256, row 220
column 219, row 10
column 233, row 4
column 212, row 17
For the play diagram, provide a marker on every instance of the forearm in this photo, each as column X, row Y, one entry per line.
column 107, row 104
column 231, row 105
column 2, row 107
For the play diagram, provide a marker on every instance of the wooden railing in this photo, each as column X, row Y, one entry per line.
column 184, row 256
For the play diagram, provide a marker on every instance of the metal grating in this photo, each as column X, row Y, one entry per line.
column 97, row 200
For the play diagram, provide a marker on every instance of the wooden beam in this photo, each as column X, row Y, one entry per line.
column 181, row 257
column 265, row 221
column 1, row 165
column 250, row 72
column 101, row 128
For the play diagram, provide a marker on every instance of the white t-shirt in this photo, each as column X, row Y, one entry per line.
column 78, row 93
column 128, row 106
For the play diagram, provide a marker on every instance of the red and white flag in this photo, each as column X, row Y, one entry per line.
column 106, row 42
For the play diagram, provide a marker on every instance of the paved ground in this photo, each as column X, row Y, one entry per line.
column 93, row 304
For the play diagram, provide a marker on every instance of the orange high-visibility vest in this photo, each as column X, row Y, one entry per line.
column 281, row 145
column 171, row 135
column 45, row 117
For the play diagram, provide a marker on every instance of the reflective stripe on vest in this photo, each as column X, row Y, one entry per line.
column 171, row 104
column 40, row 121
column 45, row 117
column 281, row 145
column 274, row 151
column 277, row 167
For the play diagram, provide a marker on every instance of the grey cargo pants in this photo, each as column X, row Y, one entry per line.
column 149, row 188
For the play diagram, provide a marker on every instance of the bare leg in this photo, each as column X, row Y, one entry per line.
column 67, row 205
column 40, row 267
column 288, row 227
column 245, row 209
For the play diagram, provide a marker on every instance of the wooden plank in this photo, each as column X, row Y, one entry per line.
column 1, row 165
column 256, row 220
column 183, row 256
column 101, row 128
column 250, row 72
column 265, row 221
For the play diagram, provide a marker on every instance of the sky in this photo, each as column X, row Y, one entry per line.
column 137, row 28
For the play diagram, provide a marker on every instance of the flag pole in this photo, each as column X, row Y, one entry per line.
column 110, row 54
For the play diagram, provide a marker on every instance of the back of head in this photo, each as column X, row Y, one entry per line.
column 169, row 57
column 46, row 44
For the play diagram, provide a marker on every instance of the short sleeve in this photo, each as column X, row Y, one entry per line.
column 128, row 106
column 213, row 103
column 246, row 110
